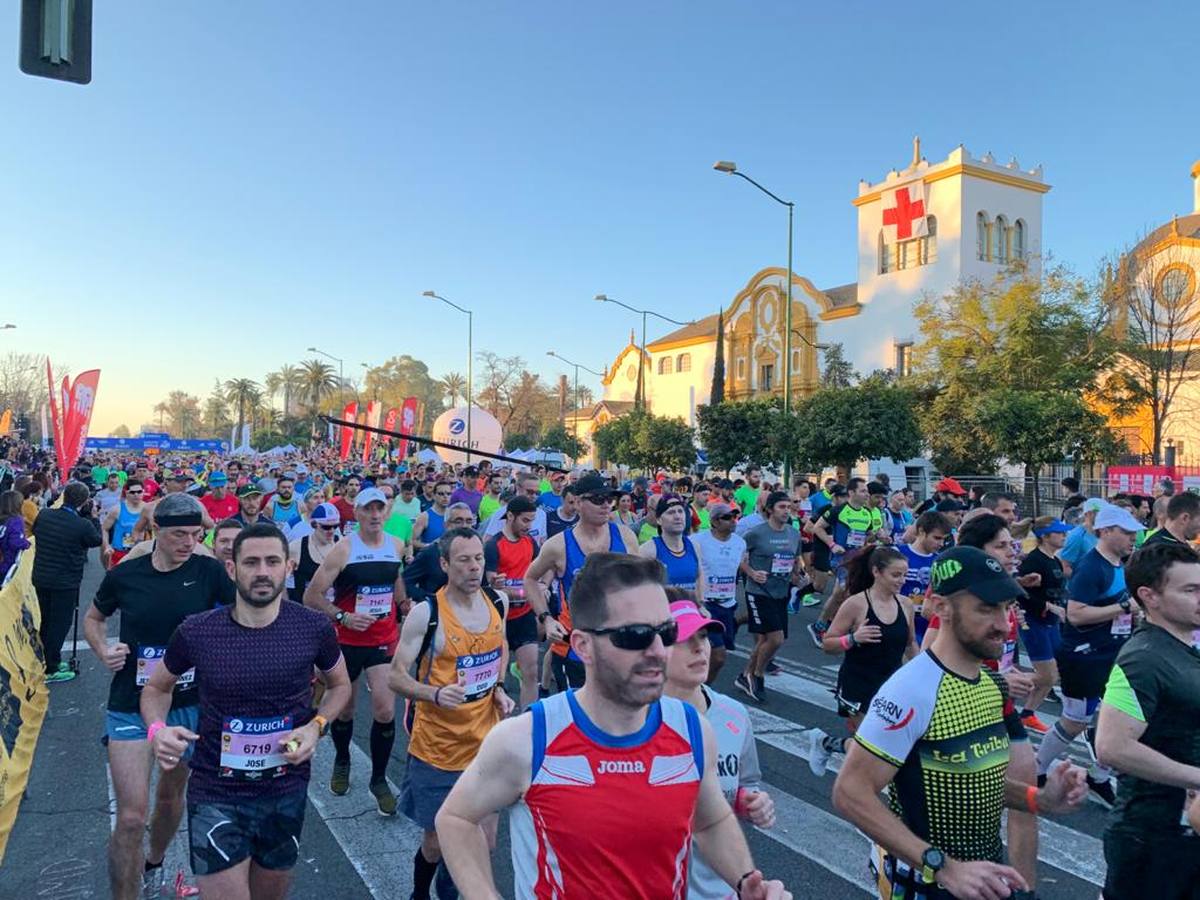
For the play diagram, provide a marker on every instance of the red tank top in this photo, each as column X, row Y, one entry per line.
column 608, row 816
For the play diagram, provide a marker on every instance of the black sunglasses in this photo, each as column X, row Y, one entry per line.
column 723, row 518
column 328, row 527
column 639, row 636
column 599, row 499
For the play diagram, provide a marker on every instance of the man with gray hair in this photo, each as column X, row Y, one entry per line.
column 424, row 576
column 154, row 593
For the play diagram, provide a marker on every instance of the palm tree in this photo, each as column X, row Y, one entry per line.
column 286, row 379
column 317, row 379
column 244, row 394
column 453, row 385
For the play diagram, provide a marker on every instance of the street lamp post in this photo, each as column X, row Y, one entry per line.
column 341, row 374
column 604, row 298
column 470, row 356
column 577, row 366
column 730, row 168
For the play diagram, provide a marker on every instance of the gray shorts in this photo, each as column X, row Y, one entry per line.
column 423, row 791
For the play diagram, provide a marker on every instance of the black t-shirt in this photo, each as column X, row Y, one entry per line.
column 152, row 605
column 255, row 689
column 556, row 524
column 1156, row 680
column 1051, row 590
column 827, row 517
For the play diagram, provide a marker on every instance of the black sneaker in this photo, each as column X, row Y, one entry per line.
column 817, row 634
column 1054, row 697
column 760, row 688
column 773, row 668
column 746, row 686
column 1103, row 792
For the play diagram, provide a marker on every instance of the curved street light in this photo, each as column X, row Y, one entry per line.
column 604, row 298
column 577, row 366
column 470, row 355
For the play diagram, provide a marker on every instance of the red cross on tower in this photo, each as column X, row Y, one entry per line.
column 904, row 214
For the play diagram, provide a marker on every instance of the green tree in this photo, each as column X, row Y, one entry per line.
column 121, row 431
column 454, row 385
column 558, row 438
column 287, row 380
column 318, row 380
column 179, row 413
column 215, row 416
column 646, row 441
column 405, row 376
column 716, row 393
column 1035, row 428
column 745, row 433
column 1016, row 333
column 838, row 371
column 242, row 394
column 872, row 420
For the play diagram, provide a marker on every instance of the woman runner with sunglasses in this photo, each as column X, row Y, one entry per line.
column 611, row 783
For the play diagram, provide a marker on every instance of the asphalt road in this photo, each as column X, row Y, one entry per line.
column 57, row 849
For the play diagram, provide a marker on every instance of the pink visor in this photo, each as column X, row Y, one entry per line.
column 690, row 619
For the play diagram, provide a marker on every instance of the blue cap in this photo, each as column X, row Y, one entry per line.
column 326, row 514
column 217, row 479
column 1056, row 527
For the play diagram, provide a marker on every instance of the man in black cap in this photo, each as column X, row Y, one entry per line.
column 934, row 735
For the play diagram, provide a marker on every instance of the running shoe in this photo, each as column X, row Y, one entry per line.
column 1054, row 697
column 1103, row 791
column 383, row 796
column 817, row 634
column 1030, row 720
column 746, row 686
column 515, row 671
column 760, row 688
column 818, row 756
column 152, row 882
column 810, row 599
column 339, row 783
column 773, row 668
column 60, row 676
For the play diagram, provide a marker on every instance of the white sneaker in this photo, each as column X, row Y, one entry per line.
column 818, row 756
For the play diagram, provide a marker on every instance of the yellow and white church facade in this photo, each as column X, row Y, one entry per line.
column 921, row 230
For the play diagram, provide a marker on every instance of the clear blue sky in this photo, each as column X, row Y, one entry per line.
column 244, row 179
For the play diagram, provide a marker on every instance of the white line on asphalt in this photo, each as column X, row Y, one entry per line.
column 380, row 848
column 1063, row 848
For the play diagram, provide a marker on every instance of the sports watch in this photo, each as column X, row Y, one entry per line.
column 340, row 617
column 322, row 724
column 542, row 616
column 933, row 861
column 1125, row 604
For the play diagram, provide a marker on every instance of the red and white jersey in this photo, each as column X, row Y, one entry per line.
column 608, row 816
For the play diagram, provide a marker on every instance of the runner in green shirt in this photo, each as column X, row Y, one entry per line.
column 747, row 495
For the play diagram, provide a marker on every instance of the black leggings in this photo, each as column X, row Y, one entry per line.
column 58, row 614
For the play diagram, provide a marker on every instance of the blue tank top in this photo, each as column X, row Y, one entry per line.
column 682, row 571
column 122, row 532
column 287, row 515
column 575, row 558
column 435, row 524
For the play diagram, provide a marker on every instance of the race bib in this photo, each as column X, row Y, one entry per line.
column 252, row 749
column 148, row 659
column 478, row 673
column 515, row 588
column 855, row 539
column 724, row 587
column 783, row 563
column 127, row 540
column 374, row 600
column 1123, row 624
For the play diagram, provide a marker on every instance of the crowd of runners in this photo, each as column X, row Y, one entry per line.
column 256, row 597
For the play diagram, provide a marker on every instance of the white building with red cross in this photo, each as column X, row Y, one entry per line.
column 921, row 230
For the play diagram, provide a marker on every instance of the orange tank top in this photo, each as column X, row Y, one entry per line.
column 450, row 738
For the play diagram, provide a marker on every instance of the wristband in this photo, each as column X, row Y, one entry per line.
column 436, row 694
column 1031, row 804
column 737, row 888
column 844, row 640
column 155, row 728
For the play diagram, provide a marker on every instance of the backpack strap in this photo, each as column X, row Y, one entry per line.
column 430, row 631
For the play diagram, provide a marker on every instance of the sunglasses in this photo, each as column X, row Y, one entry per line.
column 639, row 636
column 328, row 527
column 133, row 492
column 598, row 499
column 728, row 517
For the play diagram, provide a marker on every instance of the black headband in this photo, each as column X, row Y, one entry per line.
column 179, row 521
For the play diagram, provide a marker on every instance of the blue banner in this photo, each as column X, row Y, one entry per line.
column 155, row 442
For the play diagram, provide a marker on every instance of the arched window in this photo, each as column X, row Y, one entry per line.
column 981, row 235
column 683, row 363
column 1018, row 239
column 1000, row 240
column 664, row 366
column 885, row 255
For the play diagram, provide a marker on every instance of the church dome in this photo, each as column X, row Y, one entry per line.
column 1182, row 226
